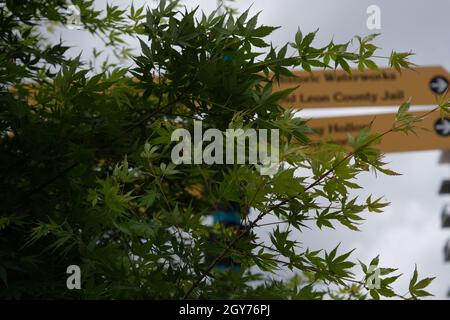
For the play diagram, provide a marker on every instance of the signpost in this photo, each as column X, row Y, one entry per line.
column 386, row 87
column 337, row 130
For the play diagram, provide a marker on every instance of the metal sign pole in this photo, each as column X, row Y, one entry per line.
column 445, row 189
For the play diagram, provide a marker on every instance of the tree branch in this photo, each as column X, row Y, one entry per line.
column 312, row 185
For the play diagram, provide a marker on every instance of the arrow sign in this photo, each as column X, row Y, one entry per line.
column 439, row 84
column 442, row 127
column 386, row 87
column 337, row 130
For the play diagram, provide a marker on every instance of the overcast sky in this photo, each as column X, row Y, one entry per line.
column 409, row 231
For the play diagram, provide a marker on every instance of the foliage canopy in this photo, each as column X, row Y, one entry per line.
column 87, row 178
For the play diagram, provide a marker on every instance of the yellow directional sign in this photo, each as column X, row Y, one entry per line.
column 386, row 87
column 434, row 132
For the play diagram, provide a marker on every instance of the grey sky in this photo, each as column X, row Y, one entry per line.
column 410, row 230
